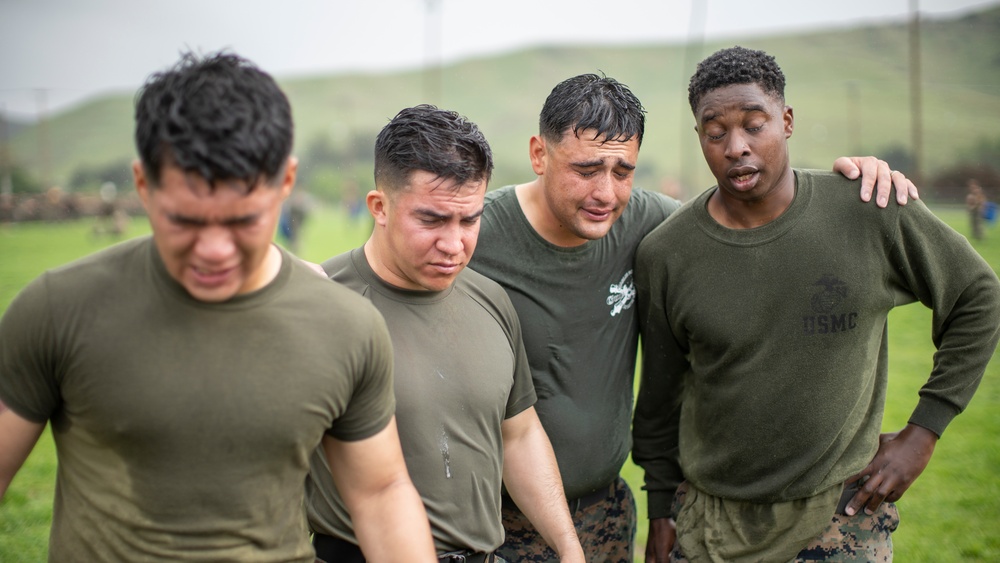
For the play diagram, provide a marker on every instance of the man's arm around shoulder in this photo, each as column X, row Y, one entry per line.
column 876, row 174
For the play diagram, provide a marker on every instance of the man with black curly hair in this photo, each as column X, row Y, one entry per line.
column 763, row 306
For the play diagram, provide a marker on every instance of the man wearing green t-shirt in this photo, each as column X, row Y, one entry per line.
column 189, row 375
column 465, row 401
column 771, row 315
column 563, row 247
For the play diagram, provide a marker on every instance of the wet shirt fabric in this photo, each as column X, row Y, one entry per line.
column 460, row 372
column 577, row 307
column 183, row 428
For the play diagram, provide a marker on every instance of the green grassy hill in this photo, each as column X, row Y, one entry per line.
column 849, row 88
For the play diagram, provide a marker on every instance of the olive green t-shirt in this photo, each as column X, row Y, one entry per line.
column 460, row 372
column 183, row 429
column 577, row 309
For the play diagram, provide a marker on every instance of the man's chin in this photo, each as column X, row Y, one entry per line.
column 594, row 230
column 217, row 292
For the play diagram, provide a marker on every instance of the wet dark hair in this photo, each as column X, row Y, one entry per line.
column 589, row 101
column 736, row 65
column 434, row 140
column 218, row 116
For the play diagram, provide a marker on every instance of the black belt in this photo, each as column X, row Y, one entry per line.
column 590, row 499
column 333, row 549
column 336, row 550
column 467, row 558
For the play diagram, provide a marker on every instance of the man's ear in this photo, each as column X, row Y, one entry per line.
column 141, row 183
column 378, row 202
column 288, row 180
column 789, row 118
column 536, row 152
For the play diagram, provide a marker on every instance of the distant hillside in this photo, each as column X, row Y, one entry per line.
column 849, row 89
column 12, row 127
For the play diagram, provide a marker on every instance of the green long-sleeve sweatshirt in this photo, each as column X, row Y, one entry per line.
column 765, row 350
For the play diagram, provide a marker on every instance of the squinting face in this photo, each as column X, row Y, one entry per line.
column 213, row 242
column 426, row 231
column 587, row 183
column 743, row 133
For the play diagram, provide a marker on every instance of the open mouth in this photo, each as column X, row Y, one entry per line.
column 211, row 277
column 743, row 178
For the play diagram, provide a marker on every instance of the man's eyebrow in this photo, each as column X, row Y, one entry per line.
column 619, row 163
column 229, row 221
column 750, row 107
column 431, row 214
column 241, row 219
column 185, row 220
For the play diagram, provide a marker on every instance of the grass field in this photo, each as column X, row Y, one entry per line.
column 952, row 513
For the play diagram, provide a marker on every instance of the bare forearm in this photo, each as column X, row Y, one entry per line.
column 388, row 515
column 393, row 522
column 532, row 478
column 17, row 438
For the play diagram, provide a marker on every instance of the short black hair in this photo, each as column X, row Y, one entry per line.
column 589, row 101
column 218, row 116
column 736, row 65
column 434, row 140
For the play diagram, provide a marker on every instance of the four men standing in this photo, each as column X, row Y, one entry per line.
column 562, row 246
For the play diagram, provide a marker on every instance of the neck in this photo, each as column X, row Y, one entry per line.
column 268, row 270
column 531, row 198
column 374, row 258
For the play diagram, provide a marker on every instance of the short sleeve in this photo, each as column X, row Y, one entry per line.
column 28, row 361
column 373, row 404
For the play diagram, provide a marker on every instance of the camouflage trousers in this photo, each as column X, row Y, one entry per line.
column 850, row 539
column 606, row 530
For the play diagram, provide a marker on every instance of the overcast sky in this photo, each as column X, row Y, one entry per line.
column 54, row 53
